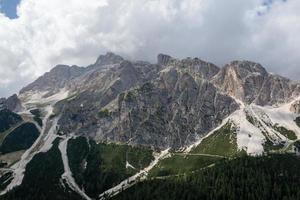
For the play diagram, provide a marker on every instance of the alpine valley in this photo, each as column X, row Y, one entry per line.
column 173, row 130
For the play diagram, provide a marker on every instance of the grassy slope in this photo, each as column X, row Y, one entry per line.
column 222, row 142
column 105, row 163
column 257, row 178
column 42, row 179
column 179, row 164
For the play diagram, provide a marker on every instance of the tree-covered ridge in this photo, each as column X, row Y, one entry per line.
column 8, row 119
column 273, row 177
column 98, row 167
column 20, row 138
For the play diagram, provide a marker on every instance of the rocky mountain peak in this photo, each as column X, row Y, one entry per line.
column 246, row 68
column 251, row 83
column 194, row 66
column 108, row 59
column 55, row 79
column 163, row 59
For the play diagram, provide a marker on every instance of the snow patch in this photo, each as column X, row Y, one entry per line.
column 249, row 137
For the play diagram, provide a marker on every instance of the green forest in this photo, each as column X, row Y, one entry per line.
column 275, row 177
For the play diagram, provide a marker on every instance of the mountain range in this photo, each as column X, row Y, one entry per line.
column 92, row 132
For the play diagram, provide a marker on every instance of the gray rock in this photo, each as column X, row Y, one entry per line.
column 163, row 105
column 12, row 103
column 251, row 83
column 168, row 104
column 163, row 59
column 108, row 59
column 54, row 80
column 295, row 107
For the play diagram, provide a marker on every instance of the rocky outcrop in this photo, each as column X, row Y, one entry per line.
column 251, row 83
column 163, row 59
column 295, row 107
column 108, row 59
column 12, row 103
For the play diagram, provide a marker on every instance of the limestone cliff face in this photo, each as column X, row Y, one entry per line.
column 167, row 104
column 251, row 83
column 171, row 111
column 170, row 103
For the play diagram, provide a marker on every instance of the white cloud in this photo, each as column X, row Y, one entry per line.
column 75, row 32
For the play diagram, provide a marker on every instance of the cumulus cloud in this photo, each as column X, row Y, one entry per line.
column 47, row 33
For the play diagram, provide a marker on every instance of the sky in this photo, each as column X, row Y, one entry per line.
column 36, row 35
column 9, row 8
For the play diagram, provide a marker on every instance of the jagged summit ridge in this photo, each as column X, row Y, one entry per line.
column 245, row 80
column 167, row 104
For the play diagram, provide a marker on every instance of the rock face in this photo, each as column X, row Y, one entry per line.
column 55, row 79
column 164, row 114
column 251, row 83
column 108, row 59
column 12, row 103
column 295, row 107
column 167, row 104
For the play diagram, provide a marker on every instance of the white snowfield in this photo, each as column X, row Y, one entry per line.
column 135, row 178
column 67, row 175
column 46, row 137
column 249, row 137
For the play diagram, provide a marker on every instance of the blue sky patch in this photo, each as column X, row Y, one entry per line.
column 9, row 8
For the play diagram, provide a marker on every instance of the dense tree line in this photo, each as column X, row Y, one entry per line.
column 42, row 179
column 8, row 119
column 20, row 138
column 275, row 177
